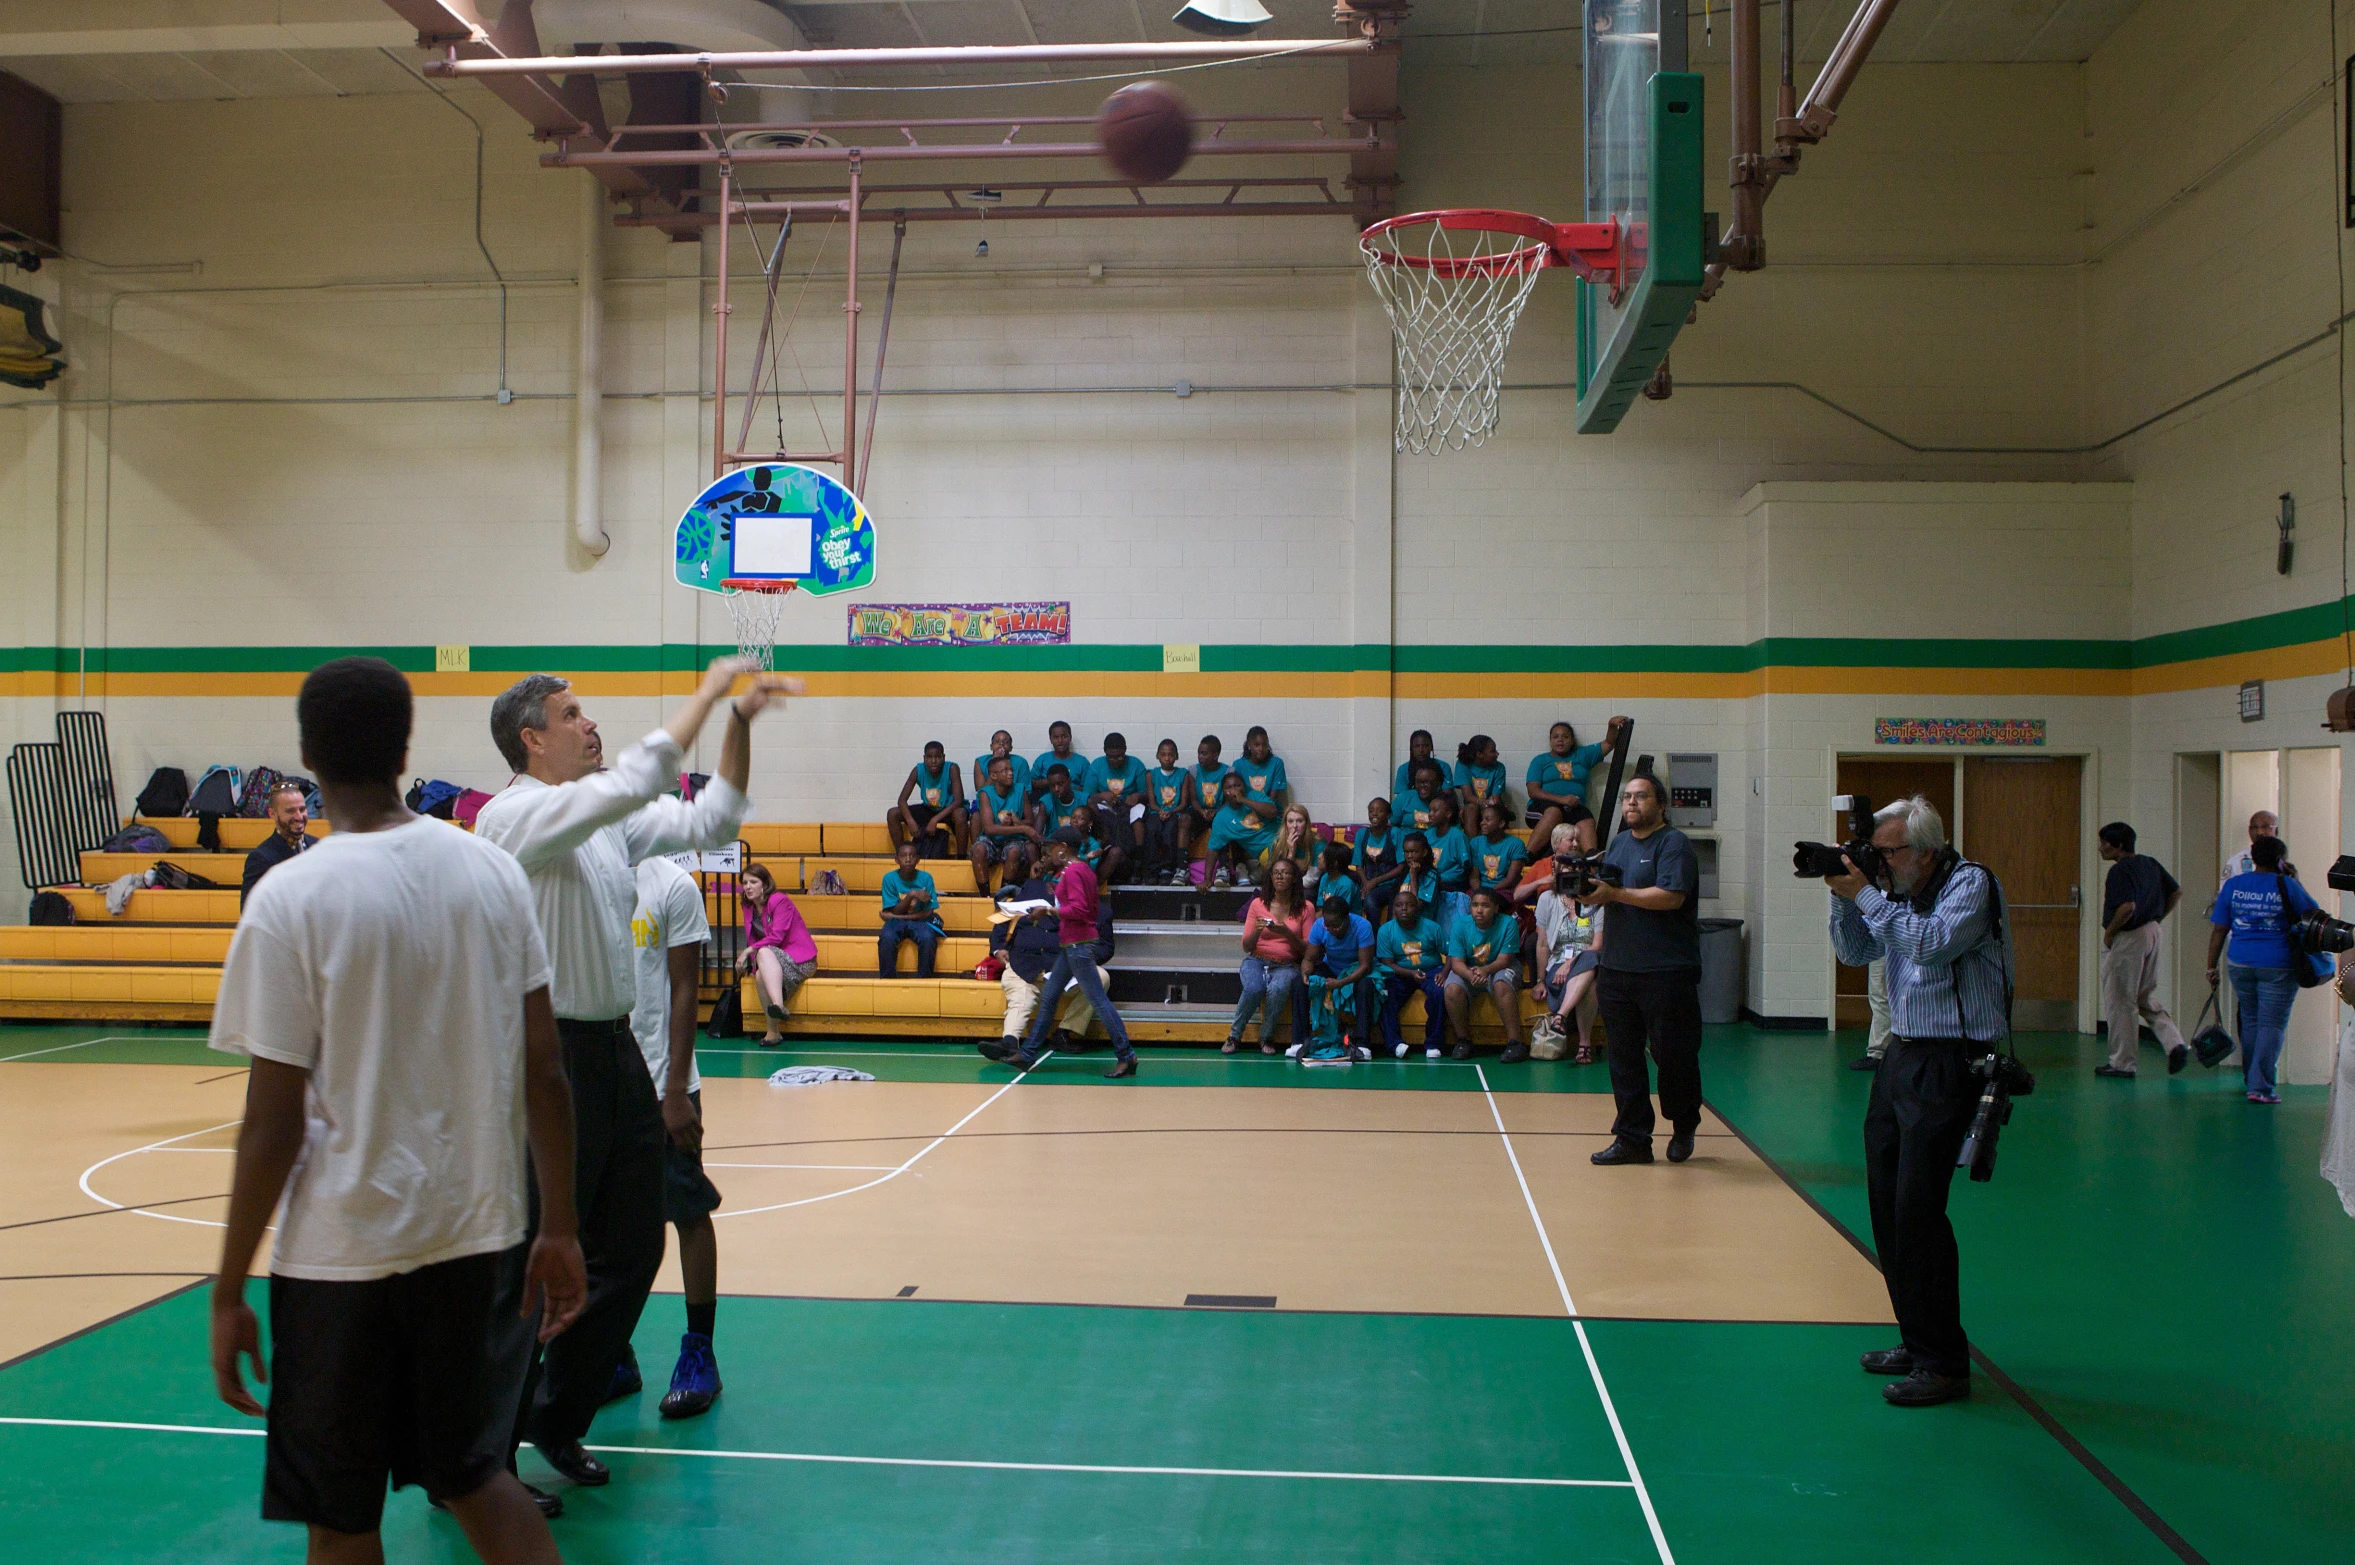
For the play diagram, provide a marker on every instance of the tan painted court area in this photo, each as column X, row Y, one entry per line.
column 1027, row 1191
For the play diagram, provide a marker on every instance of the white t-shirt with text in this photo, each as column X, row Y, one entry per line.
column 392, row 965
column 669, row 914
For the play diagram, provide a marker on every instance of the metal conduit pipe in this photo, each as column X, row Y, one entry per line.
column 588, row 380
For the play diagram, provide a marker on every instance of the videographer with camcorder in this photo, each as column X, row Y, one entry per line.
column 1649, row 990
column 1936, row 920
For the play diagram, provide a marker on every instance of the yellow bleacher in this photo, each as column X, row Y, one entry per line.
column 160, row 958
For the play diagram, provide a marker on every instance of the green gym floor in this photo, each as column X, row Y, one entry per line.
column 2157, row 1268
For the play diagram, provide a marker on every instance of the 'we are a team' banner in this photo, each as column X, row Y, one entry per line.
column 960, row 624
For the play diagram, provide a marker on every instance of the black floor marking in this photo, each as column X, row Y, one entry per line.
column 109, row 1211
column 2134, row 1503
column 1188, row 1130
column 1230, row 1301
column 908, row 1292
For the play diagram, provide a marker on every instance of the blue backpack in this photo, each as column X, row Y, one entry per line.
column 432, row 796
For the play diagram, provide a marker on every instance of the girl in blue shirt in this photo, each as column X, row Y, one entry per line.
column 1481, row 951
column 1479, row 775
column 1210, row 788
column 1376, row 858
column 1240, row 835
column 1335, row 878
column 1418, row 750
column 1451, row 852
column 1413, row 808
column 1497, row 854
column 1419, row 870
column 1556, row 783
column 1169, row 818
column 2256, row 911
column 1262, row 769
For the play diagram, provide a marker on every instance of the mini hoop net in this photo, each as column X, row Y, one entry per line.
column 756, row 606
column 1453, row 284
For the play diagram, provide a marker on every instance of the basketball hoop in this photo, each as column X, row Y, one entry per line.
column 1454, row 284
column 756, row 604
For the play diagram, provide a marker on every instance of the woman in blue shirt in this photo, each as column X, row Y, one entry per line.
column 1556, row 781
column 2255, row 910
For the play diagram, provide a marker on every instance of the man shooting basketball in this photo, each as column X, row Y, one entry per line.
column 577, row 822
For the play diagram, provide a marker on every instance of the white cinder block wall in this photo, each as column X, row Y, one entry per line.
column 294, row 447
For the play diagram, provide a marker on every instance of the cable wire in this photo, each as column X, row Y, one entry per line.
column 488, row 259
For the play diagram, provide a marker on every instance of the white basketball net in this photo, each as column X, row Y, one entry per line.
column 756, row 611
column 1453, row 296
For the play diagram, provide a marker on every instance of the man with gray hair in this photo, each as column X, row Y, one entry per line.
column 1937, row 923
column 578, row 821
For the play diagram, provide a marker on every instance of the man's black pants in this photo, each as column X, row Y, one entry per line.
column 1661, row 1011
column 618, row 1188
column 1923, row 1098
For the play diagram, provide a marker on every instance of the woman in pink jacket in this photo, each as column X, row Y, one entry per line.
column 777, row 946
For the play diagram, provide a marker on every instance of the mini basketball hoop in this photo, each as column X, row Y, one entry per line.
column 1454, row 284
column 756, row 604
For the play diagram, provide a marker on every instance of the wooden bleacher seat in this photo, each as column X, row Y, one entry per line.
column 863, row 913
column 764, row 838
column 157, row 907
column 227, row 869
column 122, row 943
column 237, row 835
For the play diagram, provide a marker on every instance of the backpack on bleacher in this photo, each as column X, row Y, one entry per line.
column 468, row 805
column 51, row 907
column 217, row 791
column 136, row 839
column 166, row 792
column 254, row 802
column 171, row 877
column 432, row 796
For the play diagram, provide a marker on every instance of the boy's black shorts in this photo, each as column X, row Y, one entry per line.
column 374, row 1380
column 687, row 1191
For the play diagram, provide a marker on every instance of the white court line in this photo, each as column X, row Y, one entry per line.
column 163, row 1037
column 858, row 1167
column 1643, row 1496
column 830, row 1459
column 155, row 1146
column 754, row 1211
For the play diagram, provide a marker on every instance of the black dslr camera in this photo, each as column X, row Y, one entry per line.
column 1577, row 874
column 2317, row 933
column 2006, row 1079
column 1816, row 860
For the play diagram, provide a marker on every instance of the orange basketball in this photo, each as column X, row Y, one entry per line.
column 1146, row 132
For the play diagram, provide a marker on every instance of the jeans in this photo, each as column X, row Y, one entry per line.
column 1161, row 842
column 1396, row 991
column 2264, row 995
column 1662, row 1010
column 1923, row 1098
column 923, row 931
column 1264, row 982
column 1076, row 964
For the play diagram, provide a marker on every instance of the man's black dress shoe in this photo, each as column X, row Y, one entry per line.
column 1127, row 1067
column 1888, row 1361
column 1680, row 1146
column 1624, row 1152
column 1926, row 1388
column 574, row 1463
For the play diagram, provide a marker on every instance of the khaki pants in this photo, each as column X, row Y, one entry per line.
column 2130, row 995
column 1022, row 1000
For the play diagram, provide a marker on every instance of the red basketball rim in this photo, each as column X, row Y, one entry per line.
column 759, row 584
column 1523, row 225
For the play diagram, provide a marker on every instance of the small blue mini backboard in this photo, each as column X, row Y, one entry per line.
column 774, row 522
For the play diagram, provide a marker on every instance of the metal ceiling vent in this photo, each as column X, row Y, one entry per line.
column 779, row 140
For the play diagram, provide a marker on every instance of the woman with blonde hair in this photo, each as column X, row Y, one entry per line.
column 1296, row 839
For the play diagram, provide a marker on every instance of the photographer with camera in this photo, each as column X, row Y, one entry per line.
column 1649, row 988
column 1936, row 920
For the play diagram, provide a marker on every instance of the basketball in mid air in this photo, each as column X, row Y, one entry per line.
column 1146, row 132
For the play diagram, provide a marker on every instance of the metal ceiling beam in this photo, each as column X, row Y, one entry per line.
column 457, row 28
column 494, row 64
column 1352, row 147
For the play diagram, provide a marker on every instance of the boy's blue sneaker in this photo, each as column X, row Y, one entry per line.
column 627, row 1382
column 695, row 1383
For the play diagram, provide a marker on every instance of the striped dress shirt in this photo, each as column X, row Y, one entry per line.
column 1948, row 972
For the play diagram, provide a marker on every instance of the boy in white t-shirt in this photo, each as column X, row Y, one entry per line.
column 668, row 931
column 391, row 989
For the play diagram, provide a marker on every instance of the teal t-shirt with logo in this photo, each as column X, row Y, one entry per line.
column 1014, row 763
column 1421, row 949
column 896, row 886
column 1477, row 947
column 1166, row 789
column 1498, row 863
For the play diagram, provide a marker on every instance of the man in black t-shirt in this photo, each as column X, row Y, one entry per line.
column 1649, row 990
column 2138, row 893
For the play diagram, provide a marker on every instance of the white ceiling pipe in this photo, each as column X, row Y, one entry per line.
column 588, row 380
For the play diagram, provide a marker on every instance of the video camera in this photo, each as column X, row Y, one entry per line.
column 1578, row 874
column 2006, row 1079
column 1816, row 860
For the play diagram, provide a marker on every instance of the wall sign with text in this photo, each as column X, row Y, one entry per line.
column 2001, row 731
column 960, row 624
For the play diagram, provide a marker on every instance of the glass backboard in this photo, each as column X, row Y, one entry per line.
column 1643, row 172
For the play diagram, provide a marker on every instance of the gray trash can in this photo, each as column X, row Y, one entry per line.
column 1721, row 971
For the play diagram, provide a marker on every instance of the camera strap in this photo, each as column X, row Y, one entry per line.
column 1996, row 936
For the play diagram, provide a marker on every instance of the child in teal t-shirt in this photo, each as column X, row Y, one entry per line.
column 1497, row 855
column 930, row 810
column 1241, row 833
column 1375, row 857
column 1002, row 829
column 1481, row 951
column 1062, row 804
column 1169, row 820
column 1418, row 751
column 1479, row 775
column 911, row 911
column 1335, row 878
column 1412, row 809
column 1002, row 743
column 1410, row 958
column 1262, row 769
column 1556, row 782
column 1058, row 753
